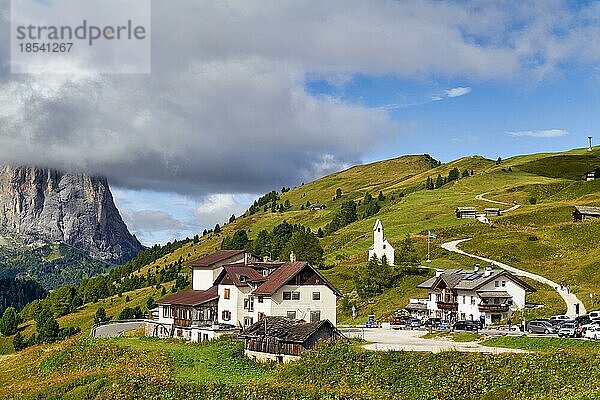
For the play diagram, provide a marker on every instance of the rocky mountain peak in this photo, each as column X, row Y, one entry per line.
column 40, row 204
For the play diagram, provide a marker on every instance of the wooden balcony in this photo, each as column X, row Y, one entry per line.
column 498, row 308
column 450, row 306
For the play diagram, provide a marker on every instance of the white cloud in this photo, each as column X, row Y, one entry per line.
column 217, row 208
column 458, row 91
column 547, row 133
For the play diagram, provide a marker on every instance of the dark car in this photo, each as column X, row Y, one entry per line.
column 540, row 326
column 583, row 320
column 412, row 323
column 433, row 322
column 466, row 326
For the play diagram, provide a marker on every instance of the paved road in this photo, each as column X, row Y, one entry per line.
column 480, row 197
column 569, row 298
column 409, row 340
column 115, row 329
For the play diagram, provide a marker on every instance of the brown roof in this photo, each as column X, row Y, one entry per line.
column 211, row 259
column 235, row 272
column 286, row 329
column 191, row 297
column 283, row 274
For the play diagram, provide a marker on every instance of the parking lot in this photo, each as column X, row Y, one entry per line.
column 411, row 340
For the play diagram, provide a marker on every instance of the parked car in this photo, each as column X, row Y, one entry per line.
column 433, row 322
column 594, row 315
column 540, row 326
column 370, row 321
column 585, row 328
column 557, row 319
column 413, row 323
column 466, row 326
column 593, row 332
column 583, row 319
column 399, row 321
column 569, row 329
column 443, row 326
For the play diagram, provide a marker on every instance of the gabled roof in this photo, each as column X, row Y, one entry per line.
column 190, row 297
column 588, row 210
column 285, row 329
column 284, row 273
column 236, row 272
column 211, row 259
column 466, row 209
column 460, row 279
column 377, row 223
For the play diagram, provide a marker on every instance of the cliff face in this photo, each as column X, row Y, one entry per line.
column 48, row 205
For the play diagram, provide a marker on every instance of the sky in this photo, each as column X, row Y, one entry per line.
column 248, row 96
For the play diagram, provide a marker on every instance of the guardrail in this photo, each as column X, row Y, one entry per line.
column 112, row 322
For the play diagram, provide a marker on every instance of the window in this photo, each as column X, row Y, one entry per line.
column 316, row 295
column 384, row 246
column 295, row 295
column 166, row 311
column 496, row 284
column 226, row 315
column 261, row 316
column 472, row 300
column 291, row 314
column 315, row 316
column 248, row 321
column 226, row 294
column 464, row 299
column 287, row 295
column 249, row 304
column 260, row 299
column 503, row 283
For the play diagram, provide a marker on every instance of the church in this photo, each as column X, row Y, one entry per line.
column 381, row 247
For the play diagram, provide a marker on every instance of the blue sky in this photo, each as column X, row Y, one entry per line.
column 246, row 97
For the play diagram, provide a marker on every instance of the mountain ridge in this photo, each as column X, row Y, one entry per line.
column 47, row 205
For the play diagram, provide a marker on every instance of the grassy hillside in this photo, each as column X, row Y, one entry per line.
column 136, row 367
column 538, row 237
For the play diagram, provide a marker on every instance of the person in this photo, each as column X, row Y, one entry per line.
column 509, row 323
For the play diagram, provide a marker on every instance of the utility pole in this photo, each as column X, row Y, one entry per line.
column 590, row 140
column 429, row 237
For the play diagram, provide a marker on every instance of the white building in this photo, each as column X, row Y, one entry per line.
column 381, row 247
column 242, row 292
column 473, row 294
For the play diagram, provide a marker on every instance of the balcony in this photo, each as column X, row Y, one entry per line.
column 498, row 308
column 450, row 306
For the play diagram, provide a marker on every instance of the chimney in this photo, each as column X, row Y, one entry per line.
column 488, row 271
column 476, row 268
column 439, row 272
column 292, row 257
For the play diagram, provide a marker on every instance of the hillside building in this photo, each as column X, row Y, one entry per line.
column 466, row 212
column 490, row 295
column 233, row 289
column 590, row 176
column 284, row 339
column 492, row 212
column 585, row 213
column 381, row 247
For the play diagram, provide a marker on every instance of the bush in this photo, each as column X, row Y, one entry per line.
column 532, row 200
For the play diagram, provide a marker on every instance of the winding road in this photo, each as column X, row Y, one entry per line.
column 480, row 197
column 569, row 298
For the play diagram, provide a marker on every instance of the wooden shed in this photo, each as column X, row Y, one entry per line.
column 281, row 338
column 585, row 213
column 466, row 212
column 492, row 212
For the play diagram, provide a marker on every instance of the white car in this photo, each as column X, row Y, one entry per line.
column 592, row 332
column 595, row 315
column 559, row 318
